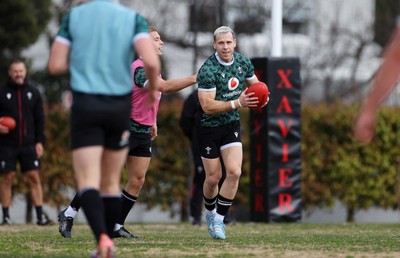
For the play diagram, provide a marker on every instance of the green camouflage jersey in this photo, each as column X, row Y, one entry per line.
column 228, row 80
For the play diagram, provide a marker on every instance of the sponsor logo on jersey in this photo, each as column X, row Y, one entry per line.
column 233, row 83
column 231, row 94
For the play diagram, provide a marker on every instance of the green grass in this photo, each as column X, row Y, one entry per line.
column 183, row 240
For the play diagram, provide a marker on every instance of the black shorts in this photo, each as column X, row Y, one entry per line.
column 140, row 145
column 214, row 139
column 99, row 120
column 25, row 155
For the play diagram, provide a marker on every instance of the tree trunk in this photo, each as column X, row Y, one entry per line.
column 350, row 215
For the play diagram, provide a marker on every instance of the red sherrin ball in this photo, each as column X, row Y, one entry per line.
column 8, row 121
column 261, row 91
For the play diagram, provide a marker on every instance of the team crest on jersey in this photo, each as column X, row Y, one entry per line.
column 233, row 83
column 29, row 95
column 8, row 95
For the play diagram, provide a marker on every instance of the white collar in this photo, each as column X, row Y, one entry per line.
column 222, row 62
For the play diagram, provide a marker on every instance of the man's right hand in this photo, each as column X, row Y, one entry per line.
column 4, row 129
column 364, row 126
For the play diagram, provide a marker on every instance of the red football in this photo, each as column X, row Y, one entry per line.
column 261, row 91
column 8, row 121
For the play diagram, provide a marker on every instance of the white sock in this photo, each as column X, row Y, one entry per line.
column 117, row 226
column 208, row 212
column 70, row 212
column 219, row 217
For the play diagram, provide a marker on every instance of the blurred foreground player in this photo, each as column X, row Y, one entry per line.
column 96, row 43
column 386, row 79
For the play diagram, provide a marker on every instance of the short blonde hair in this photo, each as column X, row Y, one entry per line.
column 223, row 30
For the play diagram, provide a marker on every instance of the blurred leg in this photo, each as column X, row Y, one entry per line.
column 112, row 163
column 87, row 166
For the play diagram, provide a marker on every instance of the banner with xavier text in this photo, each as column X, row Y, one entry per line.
column 275, row 144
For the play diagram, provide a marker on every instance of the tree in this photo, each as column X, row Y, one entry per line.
column 21, row 24
column 344, row 54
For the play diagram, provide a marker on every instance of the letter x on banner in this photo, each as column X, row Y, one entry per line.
column 275, row 144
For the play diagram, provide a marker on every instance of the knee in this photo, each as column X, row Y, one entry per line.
column 33, row 178
column 213, row 179
column 136, row 182
column 233, row 174
column 8, row 179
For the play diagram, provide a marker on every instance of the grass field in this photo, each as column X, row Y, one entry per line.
column 184, row 240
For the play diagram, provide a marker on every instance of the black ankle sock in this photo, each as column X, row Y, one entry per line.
column 127, row 204
column 39, row 213
column 112, row 208
column 210, row 203
column 223, row 205
column 75, row 203
column 93, row 208
column 6, row 213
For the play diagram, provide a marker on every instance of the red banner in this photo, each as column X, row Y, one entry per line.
column 275, row 144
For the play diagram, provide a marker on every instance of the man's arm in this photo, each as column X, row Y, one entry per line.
column 173, row 85
column 251, row 81
column 387, row 75
column 4, row 129
column 386, row 78
column 212, row 106
column 39, row 120
column 145, row 49
column 58, row 60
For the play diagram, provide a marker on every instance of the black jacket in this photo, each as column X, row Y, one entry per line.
column 189, row 121
column 24, row 103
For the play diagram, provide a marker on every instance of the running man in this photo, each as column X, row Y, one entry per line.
column 143, row 129
column 222, row 81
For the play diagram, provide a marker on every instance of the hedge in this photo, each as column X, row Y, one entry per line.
column 334, row 165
